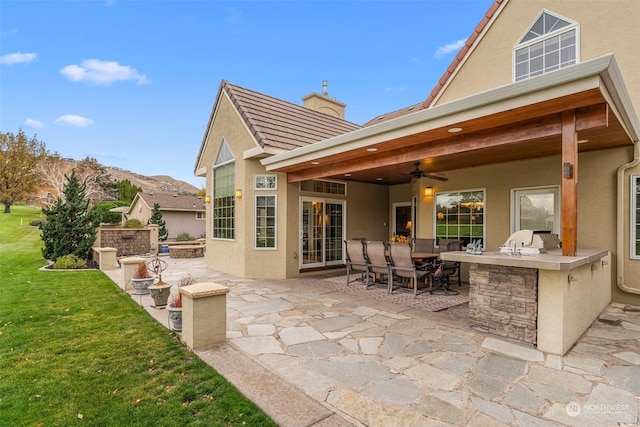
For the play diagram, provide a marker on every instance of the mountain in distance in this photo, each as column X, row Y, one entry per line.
column 151, row 184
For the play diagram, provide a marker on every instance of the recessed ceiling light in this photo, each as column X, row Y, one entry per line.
column 372, row 149
column 347, row 174
column 315, row 163
column 582, row 141
column 454, row 130
column 378, row 179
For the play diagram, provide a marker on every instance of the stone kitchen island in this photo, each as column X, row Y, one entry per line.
column 544, row 300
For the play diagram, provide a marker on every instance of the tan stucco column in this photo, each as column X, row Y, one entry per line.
column 204, row 314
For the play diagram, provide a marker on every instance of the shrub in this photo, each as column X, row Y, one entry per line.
column 184, row 237
column 132, row 223
column 104, row 211
column 175, row 300
column 141, row 271
column 37, row 222
column 68, row 262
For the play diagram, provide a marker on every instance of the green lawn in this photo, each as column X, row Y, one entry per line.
column 75, row 349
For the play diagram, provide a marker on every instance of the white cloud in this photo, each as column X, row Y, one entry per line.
column 74, row 120
column 17, row 58
column 449, row 48
column 33, row 123
column 102, row 72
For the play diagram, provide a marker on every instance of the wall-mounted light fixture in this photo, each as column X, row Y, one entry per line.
column 428, row 191
column 207, row 199
column 238, row 194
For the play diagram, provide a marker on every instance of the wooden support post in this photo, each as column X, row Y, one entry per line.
column 569, row 184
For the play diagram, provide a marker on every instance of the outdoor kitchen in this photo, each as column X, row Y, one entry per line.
column 529, row 292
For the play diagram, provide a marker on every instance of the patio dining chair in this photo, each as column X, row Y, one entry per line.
column 452, row 267
column 440, row 277
column 423, row 245
column 378, row 264
column 356, row 261
column 403, row 266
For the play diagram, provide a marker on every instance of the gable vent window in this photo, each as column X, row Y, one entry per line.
column 550, row 44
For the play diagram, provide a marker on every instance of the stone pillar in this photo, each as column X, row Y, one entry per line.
column 107, row 258
column 154, row 243
column 128, row 266
column 204, row 314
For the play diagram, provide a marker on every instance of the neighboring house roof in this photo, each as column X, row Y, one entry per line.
column 448, row 74
column 170, row 202
column 281, row 124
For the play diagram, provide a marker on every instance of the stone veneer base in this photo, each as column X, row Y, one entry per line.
column 503, row 301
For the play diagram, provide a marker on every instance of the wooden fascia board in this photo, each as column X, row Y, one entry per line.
column 563, row 82
column 536, row 129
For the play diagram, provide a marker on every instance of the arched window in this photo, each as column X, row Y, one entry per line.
column 223, row 203
column 550, row 43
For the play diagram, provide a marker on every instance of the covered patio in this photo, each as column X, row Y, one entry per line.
column 551, row 122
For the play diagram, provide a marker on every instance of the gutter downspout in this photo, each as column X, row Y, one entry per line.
column 621, row 223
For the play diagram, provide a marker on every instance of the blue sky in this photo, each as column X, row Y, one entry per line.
column 132, row 83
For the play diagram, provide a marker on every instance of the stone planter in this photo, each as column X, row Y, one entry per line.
column 141, row 286
column 160, row 294
column 175, row 315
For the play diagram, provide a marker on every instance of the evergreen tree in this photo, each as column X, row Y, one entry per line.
column 70, row 227
column 156, row 218
column 126, row 190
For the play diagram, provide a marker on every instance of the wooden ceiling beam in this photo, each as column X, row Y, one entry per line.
column 502, row 137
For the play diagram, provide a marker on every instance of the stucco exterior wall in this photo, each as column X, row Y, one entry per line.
column 181, row 222
column 226, row 255
column 605, row 27
column 596, row 196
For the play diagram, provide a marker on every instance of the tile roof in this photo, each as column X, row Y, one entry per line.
column 174, row 202
column 447, row 74
column 281, row 124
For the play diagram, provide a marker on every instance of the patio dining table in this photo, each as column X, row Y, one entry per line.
column 419, row 256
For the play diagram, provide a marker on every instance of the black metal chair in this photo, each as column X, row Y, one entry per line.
column 453, row 267
column 440, row 277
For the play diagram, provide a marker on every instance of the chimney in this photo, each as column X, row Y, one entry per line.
column 324, row 104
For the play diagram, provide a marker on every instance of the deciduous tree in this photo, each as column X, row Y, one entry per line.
column 19, row 174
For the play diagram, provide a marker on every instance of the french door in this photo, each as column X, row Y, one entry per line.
column 322, row 223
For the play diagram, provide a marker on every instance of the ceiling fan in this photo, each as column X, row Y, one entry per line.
column 417, row 174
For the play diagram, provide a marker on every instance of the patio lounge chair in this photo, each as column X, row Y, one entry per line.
column 356, row 261
column 378, row 264
column 403, row 266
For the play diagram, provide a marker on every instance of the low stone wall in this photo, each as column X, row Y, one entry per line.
column 503, row 301
column 186, row 251
column 127, row 241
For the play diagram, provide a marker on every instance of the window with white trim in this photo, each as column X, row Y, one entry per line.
column 223, row 200
column 265, row 221
column 266, row 182
column 635, row 217
column 550, row 44
column 324, row 186
column 200, row 216
column 536, row 208
column 460, row 215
